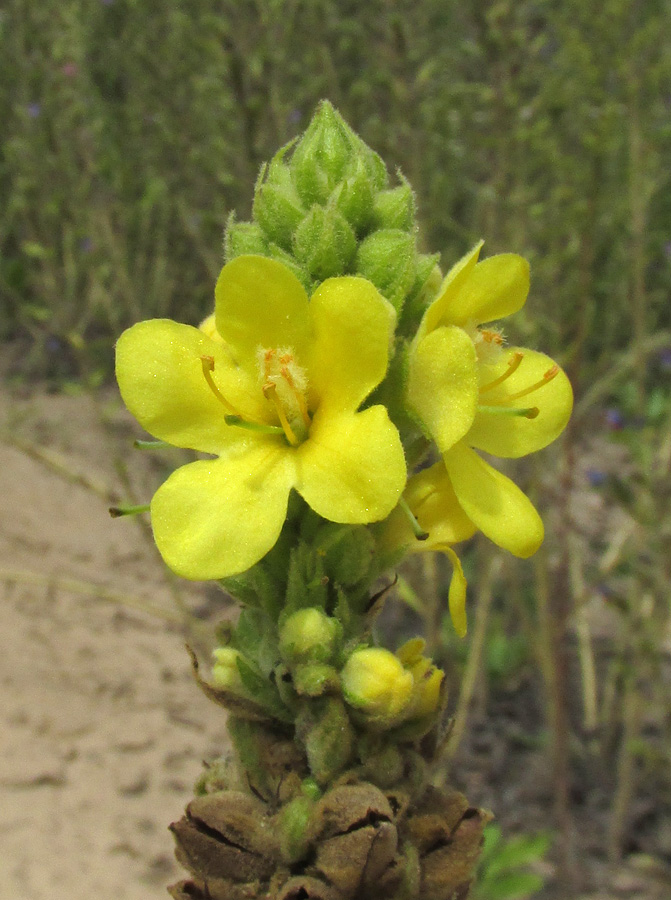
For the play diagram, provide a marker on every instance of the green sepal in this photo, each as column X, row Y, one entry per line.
column 315, row 679
column 319, row 159
column 395, row 207
column 278, row 210
column 295, row 825
column 307, row 583
column 388, row 259
column 324, row 242
column 264, row 692
column 242, row 238
column 354, row 197
column 255, row 636
column 427, row 284
column 324, row 728
column 255, row 588
column 347, row 551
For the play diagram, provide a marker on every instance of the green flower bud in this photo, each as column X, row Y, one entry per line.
column 324, row 728
column 243, row 238
column 354, row 197
column 315, row 680
column 308, row 635
column 324, row 242
column 225, row 672
column 375, row 683
column 278, row 210
column 319, row 160
column 395, row 208
column 388, row 259
column 294, row 826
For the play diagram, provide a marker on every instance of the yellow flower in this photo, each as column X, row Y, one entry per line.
column 427, row 678
column 468, row 391
column 273, row 394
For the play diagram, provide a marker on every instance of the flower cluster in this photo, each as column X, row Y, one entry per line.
column 326, row 395
column 339, row 398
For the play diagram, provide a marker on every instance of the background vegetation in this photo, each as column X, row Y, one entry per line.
column 132, row 128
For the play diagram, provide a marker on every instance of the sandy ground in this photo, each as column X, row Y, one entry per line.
column 103, row 729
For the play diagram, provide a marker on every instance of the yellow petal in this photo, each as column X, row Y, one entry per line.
column 456, row 598
column 352, row 468
column 513, row 436
column 495, row 288
column 493, row 502
column 260, row 303
column 215, row 518
column 160, row 376
column 442, row 387
column 353, row 325
column 452, row 284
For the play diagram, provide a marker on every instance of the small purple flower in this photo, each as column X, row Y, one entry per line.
column 86, row 245
column 54, row 345
column 614, row 419
column 295, row 116
column 34, row 110
column 595, row 477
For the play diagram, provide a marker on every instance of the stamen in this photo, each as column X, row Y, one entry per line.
column 529, row 413
column 513, row 366
column 547, row 377
column 253, row 426
column 298, row 394
column 417, row 529
column 208, row 367
column 270, row 393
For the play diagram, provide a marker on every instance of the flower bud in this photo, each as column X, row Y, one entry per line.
column 294, row 827
column 388, row 259
column 315, row 680
column 375, row 683
column 324, row 242
column 243, row 238
column 354, row 198
column 308, row 635
column 395, row 208
column 319, row 160
column 225, row 672
column 277, row 209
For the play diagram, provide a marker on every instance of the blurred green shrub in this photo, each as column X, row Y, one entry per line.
column 131, row 130
column 503, row 872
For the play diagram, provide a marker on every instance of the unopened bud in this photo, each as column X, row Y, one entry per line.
column 388, row 259
column 308, row 635
column 375, row 683
column 278, row 210
column 395, row 208
column 225, row 672
column 243, row 238
column 320, row 157
column 325, row 243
